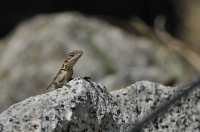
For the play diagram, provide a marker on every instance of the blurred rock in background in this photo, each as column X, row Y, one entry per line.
column 117, row 53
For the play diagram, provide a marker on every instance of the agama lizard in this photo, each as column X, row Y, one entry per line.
column 66, row 71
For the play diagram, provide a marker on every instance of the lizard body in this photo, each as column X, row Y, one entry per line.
column 66, row 71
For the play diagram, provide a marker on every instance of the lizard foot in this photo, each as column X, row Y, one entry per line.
column 87, row 78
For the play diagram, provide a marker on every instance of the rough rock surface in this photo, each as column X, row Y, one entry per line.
column 88, row 106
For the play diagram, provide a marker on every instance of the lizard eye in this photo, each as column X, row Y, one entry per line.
column 71, row 55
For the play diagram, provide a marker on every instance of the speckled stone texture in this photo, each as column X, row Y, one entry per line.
column 88, row 106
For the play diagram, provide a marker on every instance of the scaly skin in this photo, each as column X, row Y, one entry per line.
column 66, row 71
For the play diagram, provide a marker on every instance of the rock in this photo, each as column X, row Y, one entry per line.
column 84, row 107
column 128, row 76
column 88, row 106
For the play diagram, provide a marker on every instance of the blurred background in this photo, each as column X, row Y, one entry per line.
column 123, row 42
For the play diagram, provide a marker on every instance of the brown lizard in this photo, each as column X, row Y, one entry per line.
column 66, row 71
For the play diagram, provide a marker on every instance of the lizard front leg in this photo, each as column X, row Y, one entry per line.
column 59, row 80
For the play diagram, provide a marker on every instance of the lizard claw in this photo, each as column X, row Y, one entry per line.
column 87, row 78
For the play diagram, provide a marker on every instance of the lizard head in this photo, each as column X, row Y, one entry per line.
column 72, row 58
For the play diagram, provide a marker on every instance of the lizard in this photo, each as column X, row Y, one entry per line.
column 66, row 71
